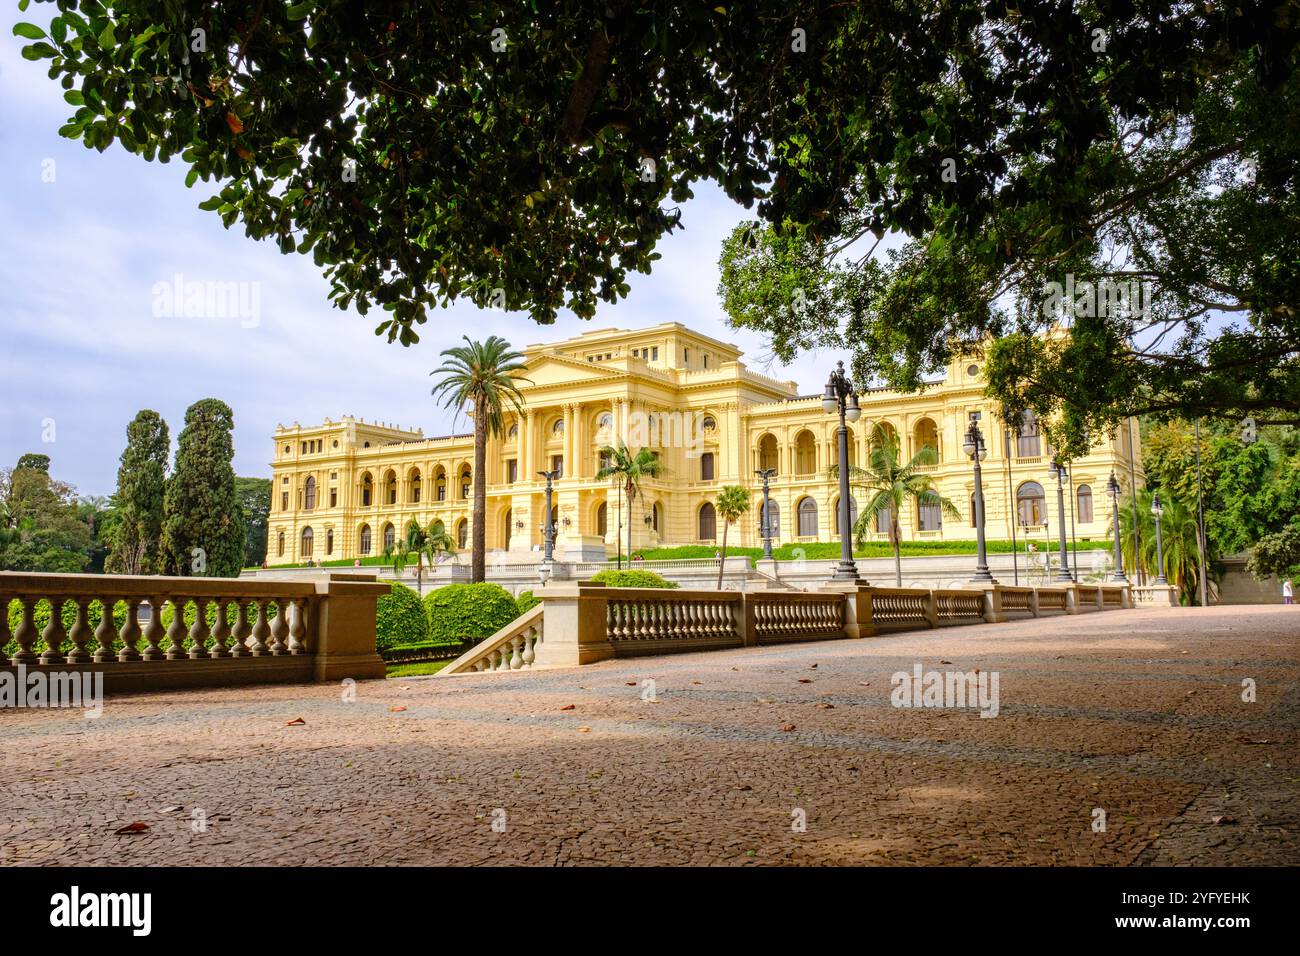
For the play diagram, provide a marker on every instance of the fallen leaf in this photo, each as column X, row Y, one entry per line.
column 805, row 680
column 171, row 809
column 743, row 786
column 397, row 708
column 825, row 706
column 787, row 727
column 813, row 667
column 1218, row 821
column 864, row 683
column 629, row 683
column 296, row 722
column 945, row 662
column 584, row 730
column 569, row 707
column 697, row 682
column 136, row 827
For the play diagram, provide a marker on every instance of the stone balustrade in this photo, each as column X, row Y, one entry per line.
column 162, row 632
column 586, row 622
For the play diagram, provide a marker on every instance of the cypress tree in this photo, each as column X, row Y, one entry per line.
column 203, row 530
column 141, row 482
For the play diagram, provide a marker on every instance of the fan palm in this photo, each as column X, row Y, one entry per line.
column 419, row 543
column 485, row 377
column 1178, row 538
column 732, row 502
column 890, row 485
column 628, row 469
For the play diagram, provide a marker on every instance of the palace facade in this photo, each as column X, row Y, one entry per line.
column 343, row 489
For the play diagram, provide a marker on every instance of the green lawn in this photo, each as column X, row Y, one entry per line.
column 421, row 669
column 824, row 550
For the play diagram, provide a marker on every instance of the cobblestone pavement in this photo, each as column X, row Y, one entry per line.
column 1135, row 713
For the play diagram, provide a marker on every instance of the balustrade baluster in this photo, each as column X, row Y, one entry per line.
column 54, row 634
column 298, row 630
column 130, row 651
column 26, row 634
column 220, row 630
column 199, row 630
column 176, row 630
column 106, row 633
column 280, row 629
column 517, row 656
column 80, row 634
column 241, row 631
column 530, row 646
column 261, row 630
column 153, row 632
column 5, row 636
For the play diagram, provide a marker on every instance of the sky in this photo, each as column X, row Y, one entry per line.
column 82, row 350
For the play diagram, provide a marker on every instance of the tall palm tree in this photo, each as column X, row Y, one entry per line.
column 1178, row 535
column 732, row 502
column 890, row 485
column 628, row 469
column 419, row 543
column 485, row 377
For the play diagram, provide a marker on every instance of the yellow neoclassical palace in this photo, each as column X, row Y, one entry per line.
column 342, row 489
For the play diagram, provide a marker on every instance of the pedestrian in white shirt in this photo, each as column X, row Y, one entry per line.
column 1288, row 591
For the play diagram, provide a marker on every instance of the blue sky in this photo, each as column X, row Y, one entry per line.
column 83, row 351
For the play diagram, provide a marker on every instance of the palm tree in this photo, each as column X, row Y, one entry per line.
column 628, row 469
column 485, row 377
column 731, row 503
column 421, row 543
column 891, row 485
column 1178, row 534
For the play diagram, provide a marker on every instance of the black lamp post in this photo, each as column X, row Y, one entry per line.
column 765, row 519
column 548, row 526
column 974, row 448
column 1057, row 471
column 840, row 397
column 1113, row 487
column 1157, row 511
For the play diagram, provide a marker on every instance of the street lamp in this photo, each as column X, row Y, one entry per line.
column 1158, row 511
column 765, row 519
column 548, row 526
column 840, row 397
column 1113, row 487
column 1057, row 471
column 974, row 448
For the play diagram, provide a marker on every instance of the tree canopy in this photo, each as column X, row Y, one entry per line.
column 533, row 156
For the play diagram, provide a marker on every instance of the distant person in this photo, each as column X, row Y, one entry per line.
column 1288, row 591
column 717, row 555
column 356, row 562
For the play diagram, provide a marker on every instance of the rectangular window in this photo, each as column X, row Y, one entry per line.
column 334, row 497
column 706, row 466
column 706, row 359
column 442, row 491
column 654, row 354
column 512, row 470
column 929, row 517
column 557, row 465
column 284, row 501
column 686, row 357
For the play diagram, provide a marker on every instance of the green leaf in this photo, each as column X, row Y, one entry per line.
column 107, row 38
column 299, row 11
column 39, row 51
column 74, row 97
column 28, row 31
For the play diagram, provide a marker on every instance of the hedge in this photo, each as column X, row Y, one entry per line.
column 468, row 612
column 399, row 619
column 633, row 579
column 526, row 601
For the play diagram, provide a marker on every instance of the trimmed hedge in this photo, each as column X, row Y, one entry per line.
column 468, row 612
column 633, row 579
column 399, row 619
column 526, row 602
column 428, row 651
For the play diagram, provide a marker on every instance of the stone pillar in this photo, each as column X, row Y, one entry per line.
column 574, row 625
column 857, row 607
column 344, row 642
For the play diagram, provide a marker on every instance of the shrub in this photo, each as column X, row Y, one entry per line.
column 633, row 579
column 399, row 619
column 526, row 601
column 468, row 612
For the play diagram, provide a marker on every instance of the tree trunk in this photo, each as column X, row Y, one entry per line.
column 723, row 563
column 630, row 499
column 898, row 559
column 479, row 514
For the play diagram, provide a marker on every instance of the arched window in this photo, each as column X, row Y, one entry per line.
column 805, row 454
column 279, row 545
column 557, row 427
column 390, row 537
column 853, row 513
column 807, row 512
column 774, row 520
column 710, row 423
column 462, row 534
column 363, row 540
column 708, row 522
column 929, row 516
column 306, row 542
column 367, row 490
column 309, row 494
column 768, row 456
column 415, row 486
column 604, row 425
column 602, row 519
column 656, row 517
column 926, row 435
column 513, row 433
column 509, row 525
column 1031, row 504
column 885, row 431
column 440, row 485
column 1084, row 511
column 465, row 481
column 1027, row 442
column 329, row 542
column 390, row 488
column 706, row 466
